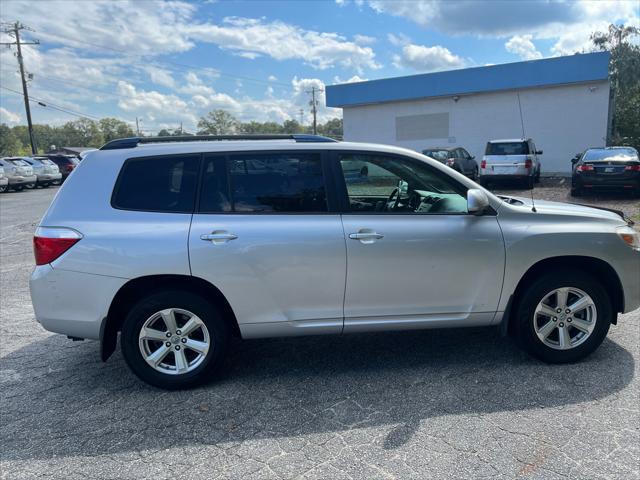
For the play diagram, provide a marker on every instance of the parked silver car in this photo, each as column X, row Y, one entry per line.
column 179, row 245
column 19, row 173
column 46, row 171
column 511, row 159
column 4, row 181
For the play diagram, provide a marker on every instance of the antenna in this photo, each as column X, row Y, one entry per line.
column 524, row 137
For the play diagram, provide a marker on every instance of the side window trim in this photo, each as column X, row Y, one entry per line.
column 343, row 195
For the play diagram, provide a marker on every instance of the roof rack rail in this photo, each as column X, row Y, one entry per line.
column 135, row 141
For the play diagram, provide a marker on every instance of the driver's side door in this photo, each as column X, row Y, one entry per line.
column 415, row 257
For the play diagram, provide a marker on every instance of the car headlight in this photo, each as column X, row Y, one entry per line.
column 630, row 237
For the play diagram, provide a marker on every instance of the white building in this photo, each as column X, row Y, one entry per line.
column 562, row 103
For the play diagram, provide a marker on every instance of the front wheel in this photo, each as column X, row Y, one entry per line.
column 563, row 317
column 174, row 339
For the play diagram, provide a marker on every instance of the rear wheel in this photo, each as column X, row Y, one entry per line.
column 563, row 317
column 474, row 175
column 576, row 192
column 174, row 340
column 18, row 188
column 45, row 185
column 3, row 188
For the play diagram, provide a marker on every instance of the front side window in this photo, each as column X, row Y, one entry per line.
column 264, row 183
column 400, row 186
column 158, row 184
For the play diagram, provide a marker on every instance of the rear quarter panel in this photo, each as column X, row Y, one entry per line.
column 117, row 243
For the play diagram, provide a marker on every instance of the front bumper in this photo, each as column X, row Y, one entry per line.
column 72, row 303
column 630, row 278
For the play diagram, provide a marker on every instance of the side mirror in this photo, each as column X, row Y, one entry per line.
column 538, row 152
column 473, row 157
column 575, row 159
column 477, row 201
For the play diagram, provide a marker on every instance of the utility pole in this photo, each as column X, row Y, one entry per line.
column 13, row 29
column 301, row 117
column 137, row 127
column 314, row 107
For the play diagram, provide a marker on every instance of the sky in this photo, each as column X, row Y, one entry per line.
column 168, row 63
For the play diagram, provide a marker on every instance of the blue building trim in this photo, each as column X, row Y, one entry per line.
column 586, row 67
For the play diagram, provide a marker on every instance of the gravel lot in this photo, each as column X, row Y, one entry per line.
column 433, row 404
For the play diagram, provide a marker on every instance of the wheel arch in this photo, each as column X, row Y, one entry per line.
column 594, row 266
column 136, row 288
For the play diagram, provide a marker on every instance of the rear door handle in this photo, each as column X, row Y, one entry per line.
column 218, row 236
column 366, row 236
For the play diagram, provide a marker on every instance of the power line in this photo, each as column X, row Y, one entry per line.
column 13, row 30
column 45, row 103
column 170, row 62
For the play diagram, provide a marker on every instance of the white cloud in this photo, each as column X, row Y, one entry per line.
column 195, row 85
column 272, row 78
column 522, row 46
column 398, row 39
column 353, row 79
column 569, row 23
column 427, row 59
column 364, row 39
column 160, row 76
column 251, row 38
column 9, row 117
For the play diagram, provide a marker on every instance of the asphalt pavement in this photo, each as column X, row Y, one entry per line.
column 434, row 404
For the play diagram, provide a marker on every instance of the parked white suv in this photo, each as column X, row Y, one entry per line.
column 180, row 244
column 511, row 159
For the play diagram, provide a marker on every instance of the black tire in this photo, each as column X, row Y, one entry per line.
column 537, row 178
column 156, row 302
column 537, row 290
column 3, row 188
column 18, row 188
column 45, row 185
column 474, row 175
column 483, row 182
column 576, row 192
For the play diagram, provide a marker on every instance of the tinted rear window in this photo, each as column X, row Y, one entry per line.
column 507, row 148
column 19, row 163
column 158, row 184
column 613, row 155
column 264, row 183
column 437, row 154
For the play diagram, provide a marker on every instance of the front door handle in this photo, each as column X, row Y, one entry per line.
column 218, row 236
column 366, row 236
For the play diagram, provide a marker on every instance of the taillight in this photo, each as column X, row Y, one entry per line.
column 584, row 168
column 528, row 163
column 451, row 162
column 632, row 168
column 483, row 164
column 70, row 167
column 51, row 242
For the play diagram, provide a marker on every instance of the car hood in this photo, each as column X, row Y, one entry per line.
column 573, row 209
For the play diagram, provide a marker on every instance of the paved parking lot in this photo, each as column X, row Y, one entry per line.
column 434, row 404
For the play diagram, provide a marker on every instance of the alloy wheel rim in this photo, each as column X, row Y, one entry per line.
column 174, row 341
column 565, row 318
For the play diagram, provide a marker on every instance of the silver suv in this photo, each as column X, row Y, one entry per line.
column 511, row 159
column 179, row 244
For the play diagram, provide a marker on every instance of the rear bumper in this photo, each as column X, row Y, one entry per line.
column 606, row 182
column 49, row 177
column 23, row 180
column 72, row 303
column 499, row 178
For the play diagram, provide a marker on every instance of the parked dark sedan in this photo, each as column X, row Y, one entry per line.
column 66, row 163
column 610, row 168
column 455, row 157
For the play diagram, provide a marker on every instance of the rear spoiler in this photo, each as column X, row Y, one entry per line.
column 620, row 213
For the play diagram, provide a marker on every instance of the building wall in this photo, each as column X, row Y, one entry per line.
column 562, row 120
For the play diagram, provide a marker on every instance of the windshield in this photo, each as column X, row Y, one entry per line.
column 507, row 148
column 437, row 154
column 610, row 155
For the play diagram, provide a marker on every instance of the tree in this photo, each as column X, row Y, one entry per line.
column 80, row 133
column 332, row 128
column 113, row 128
column 218, row 122
column 624, row 72
column 292, row 126
column 10, row 144
column 164, row 133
